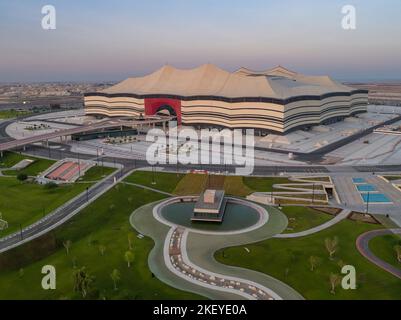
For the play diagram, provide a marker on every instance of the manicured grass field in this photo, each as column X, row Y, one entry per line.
column 9, row 114
column 164, row 181
column 96, row 173
column 304, row 218
column 24, row 203
column 105, row 222
column 11, row 158
column 39, row 166
column 288, row 260
column 263, row 184
column 383, row 248
column 233, row 185
column 191, row 184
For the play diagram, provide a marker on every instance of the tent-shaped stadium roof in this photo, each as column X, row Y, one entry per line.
column 209, row 80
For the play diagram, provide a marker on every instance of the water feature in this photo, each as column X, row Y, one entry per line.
column 237, row 217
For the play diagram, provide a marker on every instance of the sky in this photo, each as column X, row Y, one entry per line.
column 97, row 40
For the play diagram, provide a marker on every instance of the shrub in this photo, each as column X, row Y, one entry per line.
column 51, row 185
column 22, row 176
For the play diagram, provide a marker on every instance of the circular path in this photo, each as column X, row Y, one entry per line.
column 184, row 258
column 362, row 244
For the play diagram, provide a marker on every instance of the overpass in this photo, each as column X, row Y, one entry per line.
column 147, row 121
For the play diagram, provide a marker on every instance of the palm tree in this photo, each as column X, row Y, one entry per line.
column 334, row 281
column 67, row 245
column 331, row 246
column 131, row 238
column 397, row 249
column 115, row 276
column 102, row 249
column 129, row 257
column 313, row 261
column 82, row 281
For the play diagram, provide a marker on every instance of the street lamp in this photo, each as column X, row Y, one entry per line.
column 367, row 202
column 153, row 175
column 87, row 194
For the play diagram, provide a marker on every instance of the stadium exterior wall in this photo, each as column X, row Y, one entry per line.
column 264, row 113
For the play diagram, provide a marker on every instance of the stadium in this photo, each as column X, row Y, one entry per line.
column 276, row 100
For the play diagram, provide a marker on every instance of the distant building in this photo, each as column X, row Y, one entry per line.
column 276, row 100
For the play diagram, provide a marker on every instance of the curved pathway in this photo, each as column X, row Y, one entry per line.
column 183, row 258
column 178, row 262
column 362, row 244
column 341, row 216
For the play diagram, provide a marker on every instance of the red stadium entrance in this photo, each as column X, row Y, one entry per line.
column 156, row 105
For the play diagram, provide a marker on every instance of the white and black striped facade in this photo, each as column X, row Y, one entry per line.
column 264, row 113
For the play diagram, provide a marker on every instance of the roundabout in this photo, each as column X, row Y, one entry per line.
column 183, row 255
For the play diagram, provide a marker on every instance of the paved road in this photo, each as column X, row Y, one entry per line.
column 61, row 214
column 341, row 216
column 362, row 244
column 80, row 129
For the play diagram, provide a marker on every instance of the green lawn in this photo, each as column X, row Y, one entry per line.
column 37, row 167
column 383, row 248
column 8, row 114
column 96, row 173
column 11, row 158
column 304, row 218
column 288, row 260
column 191, row 184
column 164, row 181
column 105, row 222
column 264, row 184
column 24, row 203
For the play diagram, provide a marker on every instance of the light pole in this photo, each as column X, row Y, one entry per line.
column 87, row 194
column 153, row 175
column 367, row 203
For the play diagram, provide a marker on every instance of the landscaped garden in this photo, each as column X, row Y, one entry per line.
column 24, row 202
column 387, row 248
column 304, row 218
column 98, row 245
column 305, row 264
column 163, row 181
column 12, row 113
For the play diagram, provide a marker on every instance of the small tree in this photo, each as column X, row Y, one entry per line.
column 131, row 238
column 313, row 261
column 22, row 176
column 115, row 276
column 334, row 281
column 129, row 257
column 331, row 246
column 82, row 281
column 67, row 245
column 102, row 249
column 397, row 249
